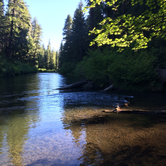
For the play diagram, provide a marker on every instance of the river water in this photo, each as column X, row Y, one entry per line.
column 40, row 125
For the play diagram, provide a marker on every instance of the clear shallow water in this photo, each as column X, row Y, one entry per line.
column 40, row 125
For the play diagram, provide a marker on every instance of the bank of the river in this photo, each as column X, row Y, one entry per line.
column 12, row 67
column 46, row 70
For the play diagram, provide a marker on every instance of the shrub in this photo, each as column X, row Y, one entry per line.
column 134, row 71
column 127, row 70
column 94, row 67
column 67, row 68
column 11, row 67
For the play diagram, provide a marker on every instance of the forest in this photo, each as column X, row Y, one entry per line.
column 21, row 51
column 106, row 42
column 117, row 42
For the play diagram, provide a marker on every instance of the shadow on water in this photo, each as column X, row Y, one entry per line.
column 117, row 139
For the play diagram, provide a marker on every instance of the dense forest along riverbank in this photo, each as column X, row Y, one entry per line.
column 40, row 125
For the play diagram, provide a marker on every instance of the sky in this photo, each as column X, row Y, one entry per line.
column 51, row 15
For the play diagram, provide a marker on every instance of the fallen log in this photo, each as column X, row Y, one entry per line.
column 136, row 111
column 74, row 85
column 108, row 88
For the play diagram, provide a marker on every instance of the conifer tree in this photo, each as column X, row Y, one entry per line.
column 60, row 57
column 41, row 63
column 18, row 19
column 75, row 44
column 56, row 60
column 79, row 34
column 67, row 31
column 2, row 26
column 36, row 36
column 67, row 28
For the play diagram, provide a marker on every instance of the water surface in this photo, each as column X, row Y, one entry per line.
column 40, row 125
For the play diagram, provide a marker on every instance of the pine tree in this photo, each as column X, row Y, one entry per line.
column 56, row 60
column 60, row 57
column 79, row 34
column 67, row 31
column 36, row 33
column 18, row 19
column 67, row 28
column 41, row 57
column 2, row 26
column 75, row 44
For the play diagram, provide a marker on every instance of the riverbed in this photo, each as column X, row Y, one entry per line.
column 40, row 125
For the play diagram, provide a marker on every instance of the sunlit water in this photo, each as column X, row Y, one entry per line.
column 40, row 125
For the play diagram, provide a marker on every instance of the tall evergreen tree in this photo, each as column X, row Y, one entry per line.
column 2, row 25
column 67, row 31
column 79, row 34
column 67, row 28
column 75, row 44
column 60, row 57
column 41, row 63
column 18, row 18
column 36, row 36
column 56, row 60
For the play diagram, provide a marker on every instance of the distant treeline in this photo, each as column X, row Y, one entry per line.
column 127, row 44
column 20, row 38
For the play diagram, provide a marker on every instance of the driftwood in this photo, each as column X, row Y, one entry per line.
column 108, row 88
column 136, row 111
column 74, row 85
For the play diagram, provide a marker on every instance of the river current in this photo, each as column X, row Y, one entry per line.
column 40, row 125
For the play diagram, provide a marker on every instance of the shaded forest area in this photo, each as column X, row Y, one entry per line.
column 21, row 51
column 115, row 42
column 118, row 42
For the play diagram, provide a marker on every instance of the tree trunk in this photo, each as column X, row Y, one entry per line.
column 74, row 85
column 108, row 88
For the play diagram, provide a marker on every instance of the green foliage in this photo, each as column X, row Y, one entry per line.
column 124, row 29
column 94, row 67
column 133, row 71
column 158, row 49
column 12, row 67
column 127, row 70
column 67, row 68
column 47, row 58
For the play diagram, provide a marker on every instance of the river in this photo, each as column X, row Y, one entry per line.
column 40, row 125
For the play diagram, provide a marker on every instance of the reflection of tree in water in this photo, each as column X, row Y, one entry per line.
column 2, row 122
column 74, row 119
column 76, row 133
column 136, row 155
column 17, row 134
column 17, row 92
column 91, row 155
column 118, row 139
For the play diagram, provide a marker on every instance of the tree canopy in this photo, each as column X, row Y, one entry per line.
column 131, row 28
